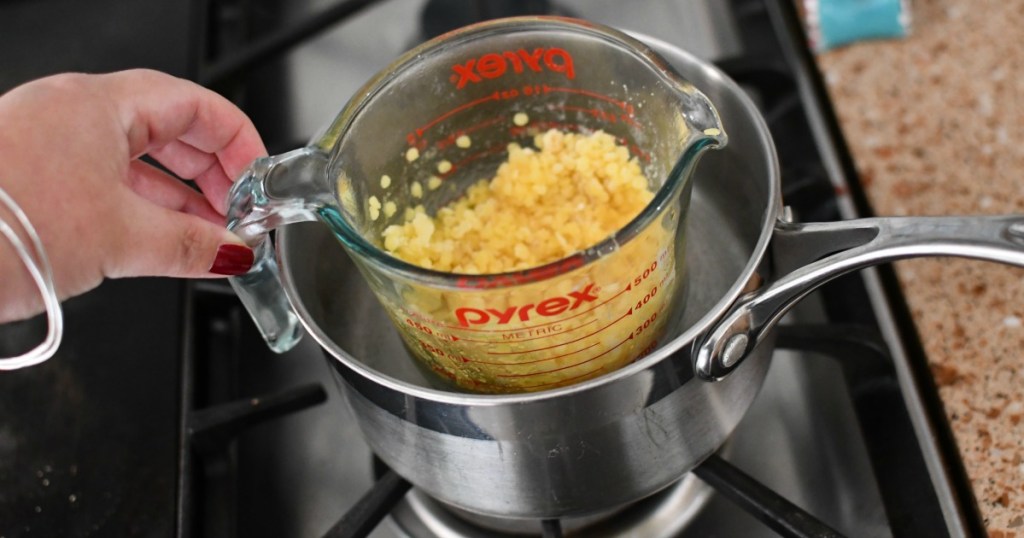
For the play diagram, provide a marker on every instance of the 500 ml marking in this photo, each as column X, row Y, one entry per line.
column 647, row 273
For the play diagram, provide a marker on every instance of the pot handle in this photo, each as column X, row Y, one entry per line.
column 272, row 192
column 837, row 248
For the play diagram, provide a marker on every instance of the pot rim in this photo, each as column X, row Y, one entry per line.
column 698, row 328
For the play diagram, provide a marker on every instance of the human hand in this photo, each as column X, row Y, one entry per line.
column 69, row 156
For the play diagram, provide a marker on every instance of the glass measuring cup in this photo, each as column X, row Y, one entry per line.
column 492, row 84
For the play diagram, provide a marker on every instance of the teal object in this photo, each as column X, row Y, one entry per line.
column 840, row 22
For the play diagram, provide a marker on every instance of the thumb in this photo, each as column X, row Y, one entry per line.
column 164, row 242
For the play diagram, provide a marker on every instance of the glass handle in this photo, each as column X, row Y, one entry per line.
column 272, row 192
column 261, row 292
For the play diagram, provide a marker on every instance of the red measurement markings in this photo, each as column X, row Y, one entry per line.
column 608, row 117
column 540, row 126
column 425, row 329
column 643, row 353
column 647, row 350
column 602, row 329
column 648, row 271
column 633, row 148
column 498, row 95
column 531, row 90
column 644, row 156
column 438, row 352
column 450, row 139
column 628, row 108
column 443, row 372
column 535, row 361
column 573, row 365
column 493, row 150
column 646, row 298
column 421, row 317
column 664, row 278
column 648, row 323
column 506, row 338
column 492, row 97
column 543, row 272
column 568, row 380
column 413, row 143
column 654, row 341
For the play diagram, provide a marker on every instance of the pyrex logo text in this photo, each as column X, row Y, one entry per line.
column 548, row 307
column 493, row 65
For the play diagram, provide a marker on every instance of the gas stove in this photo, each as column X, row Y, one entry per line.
column 846, row 437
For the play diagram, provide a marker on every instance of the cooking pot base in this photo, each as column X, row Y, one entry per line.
column 665, row 513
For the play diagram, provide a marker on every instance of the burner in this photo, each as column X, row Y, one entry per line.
column 665, row 513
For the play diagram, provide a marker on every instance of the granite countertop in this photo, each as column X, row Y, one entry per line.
column 935, row 122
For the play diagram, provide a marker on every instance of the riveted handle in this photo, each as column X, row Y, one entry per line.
column 837, row 248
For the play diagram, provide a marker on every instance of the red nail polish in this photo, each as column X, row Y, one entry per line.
column 232, row 260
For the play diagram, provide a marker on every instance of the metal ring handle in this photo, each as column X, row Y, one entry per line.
column 849, row 246
column 42, row 274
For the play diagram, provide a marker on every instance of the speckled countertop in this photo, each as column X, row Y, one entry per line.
column 935, row 122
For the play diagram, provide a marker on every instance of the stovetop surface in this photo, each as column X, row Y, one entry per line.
column 89, row 439
column 92, row 442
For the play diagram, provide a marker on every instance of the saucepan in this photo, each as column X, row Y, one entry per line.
column 591, row 446
column 544, row 276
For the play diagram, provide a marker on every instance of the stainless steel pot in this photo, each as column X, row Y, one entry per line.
column 615, row 439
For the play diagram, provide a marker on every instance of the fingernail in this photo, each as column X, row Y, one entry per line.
column 232, row 260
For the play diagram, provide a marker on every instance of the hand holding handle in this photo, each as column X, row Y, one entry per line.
column 272, row 192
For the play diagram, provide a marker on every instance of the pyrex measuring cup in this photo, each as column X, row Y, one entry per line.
column 438, row 120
